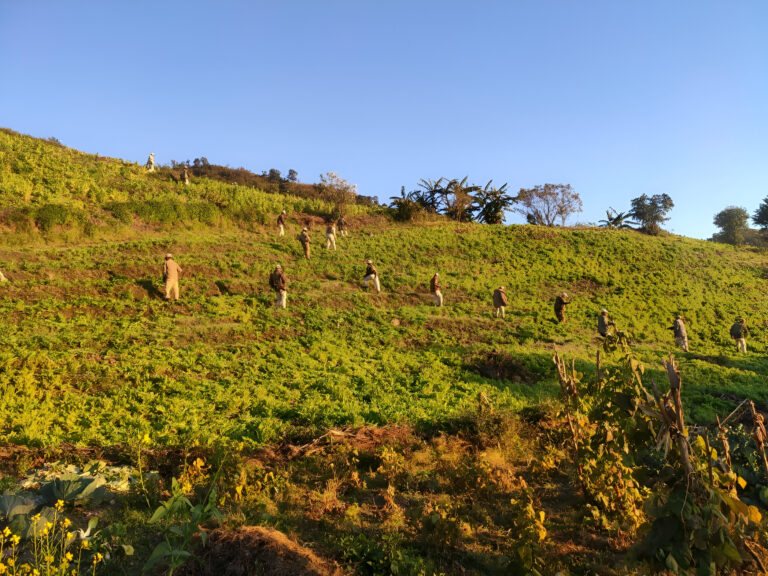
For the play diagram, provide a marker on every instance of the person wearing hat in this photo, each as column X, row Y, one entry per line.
column 279, row 283
column 281, row 223
column 330, row 236
column 171, row 272
column 739, row 333
column 304, row 239
column 499, row 301
column 604, row 322
column 434, row 287
column 150, row 165
column 681, row 336
column 371, row 275
column 561, row 301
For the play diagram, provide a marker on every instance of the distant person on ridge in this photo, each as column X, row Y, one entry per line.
column 281, row 224
column 279, row 283
column 739, row 333
column 434, row 287
column 561, row 301
column 305, row 241
column 681, row 335
column 171, row 272
column 330, row 236
column 185, row 175
column 499, row 301
column 150, row 165
column 341, row 224
column 371, row 275
column 604, row 322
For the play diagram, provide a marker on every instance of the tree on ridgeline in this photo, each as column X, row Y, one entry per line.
column 430, row 195
column 760, row 217
column 405, row 206
column 490, row 203
column 458, row 197
column 615, row 220
column 732, row 222
column 293, row 176
column 543, row 205
column 336, row 190
column 650, row 212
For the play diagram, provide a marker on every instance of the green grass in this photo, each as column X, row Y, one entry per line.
column 91, row 355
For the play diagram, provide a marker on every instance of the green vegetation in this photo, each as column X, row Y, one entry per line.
column 92, row 359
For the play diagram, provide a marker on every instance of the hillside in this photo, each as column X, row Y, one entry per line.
column 92, row 360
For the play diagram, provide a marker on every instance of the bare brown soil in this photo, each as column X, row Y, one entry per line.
column 256, row 550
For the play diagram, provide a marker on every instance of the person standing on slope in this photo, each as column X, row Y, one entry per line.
column 499, row 301
column 150, row 165
column 305, row 241
column 604, row 322
column 330, row 236
column 681, row 335
column 434, row 287
column 561, row 301
column 279, row 283
column 341, row 224
column 281, row 224
column 371, row 275
column 171, row 272
column 739, row 333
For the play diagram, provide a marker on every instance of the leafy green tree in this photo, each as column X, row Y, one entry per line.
column 405, row 206
column 544, row 204
column 651, row 212
column 732, row 222
column 293, row 176
column 431, row 194
column 490, row 203
column 760, row 217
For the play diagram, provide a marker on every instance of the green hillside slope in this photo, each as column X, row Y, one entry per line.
column 86, row 333
column 91, row 356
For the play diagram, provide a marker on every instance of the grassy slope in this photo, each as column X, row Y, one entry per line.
column 90, row 354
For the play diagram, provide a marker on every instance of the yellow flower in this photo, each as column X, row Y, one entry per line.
column 15, row 539
column 7, row 532
column 84, row 545
column 66, row 523
column 70, row 535
column 69, row 556
column 98, row 558
column 3, row 569
column 59, row 505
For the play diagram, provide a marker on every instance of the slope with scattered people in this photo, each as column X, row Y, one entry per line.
column 410, row 402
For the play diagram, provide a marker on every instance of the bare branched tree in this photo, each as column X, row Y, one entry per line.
column 544, row 204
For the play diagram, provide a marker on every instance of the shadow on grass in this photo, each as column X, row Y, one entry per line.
column 152, row 290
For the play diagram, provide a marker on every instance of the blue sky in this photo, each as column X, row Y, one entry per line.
column 616, row 98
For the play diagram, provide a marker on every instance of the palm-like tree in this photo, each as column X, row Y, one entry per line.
column 615, row 220
column 458, row 199
column 490, row 203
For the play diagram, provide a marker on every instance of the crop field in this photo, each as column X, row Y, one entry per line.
column 384, row 434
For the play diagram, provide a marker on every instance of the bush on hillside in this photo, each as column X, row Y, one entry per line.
column 49, row 215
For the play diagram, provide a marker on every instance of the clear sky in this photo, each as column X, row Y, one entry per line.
column 615, row 97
